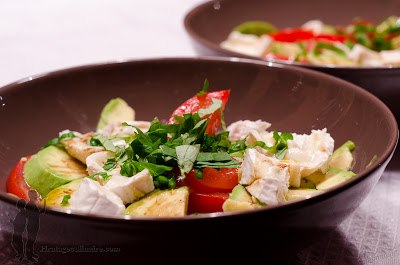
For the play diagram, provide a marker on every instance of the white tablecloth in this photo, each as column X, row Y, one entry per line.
column 38, row 36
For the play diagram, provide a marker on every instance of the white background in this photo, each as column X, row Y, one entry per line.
column 38, row 36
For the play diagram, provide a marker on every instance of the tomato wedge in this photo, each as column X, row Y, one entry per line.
column 330, row 37
column 195, row 103
column 206, row 203
column 292, row 35
column 16, row 183
column 208, row 194
column 213, row 181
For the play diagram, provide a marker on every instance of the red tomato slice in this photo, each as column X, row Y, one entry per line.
column 16, row 183
column 195, row 103
column 330, row 37
column 213, row 181
column 292, row 35
column 208, row 194
column 206, row 203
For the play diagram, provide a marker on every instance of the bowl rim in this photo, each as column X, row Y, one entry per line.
column 216, row 47
column 310, row 199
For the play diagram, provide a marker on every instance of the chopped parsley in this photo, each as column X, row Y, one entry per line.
column 205, row 88
column 103, row 175
column 56, row 141
column 110, row 164
column 65, row 199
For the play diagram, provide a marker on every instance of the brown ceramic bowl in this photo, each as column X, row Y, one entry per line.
column 210, row 23
column 292, row 99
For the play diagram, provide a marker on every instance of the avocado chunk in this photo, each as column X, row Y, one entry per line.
column 239, row 193
column 286, row 49
column 316, row 178
column 342, row 157
column 334, row 177
column 51, row 168
column 294, row 194
column 238, row 200
column 117, row 110
column 257, row 28
column 56, row 196
column 306, row 184
column 161, row 203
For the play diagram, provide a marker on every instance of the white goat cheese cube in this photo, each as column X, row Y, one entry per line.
column 131, row 188
column 312, row 151
column 93, row 198
column 390, row 57
column 269, row 190
column 240, row 129
column 246, row 43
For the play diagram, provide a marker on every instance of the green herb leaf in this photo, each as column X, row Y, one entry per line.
column 110, row 164
column 154, row 169
column 106, row 142
column 205, row 88
column 281, row 144
column 186, row 156
column 103, row 175
column 56, row 141
column 327, row 46
column 65, row 199
column 216, row 105
column 202, row 157
column 127, row 169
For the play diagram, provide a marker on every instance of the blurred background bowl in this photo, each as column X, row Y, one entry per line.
column 293, row 99
column 210, row 23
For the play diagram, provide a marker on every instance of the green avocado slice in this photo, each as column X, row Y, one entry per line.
column 51, row 168
column 56, row 196
column 257, row 28
column 117, row 110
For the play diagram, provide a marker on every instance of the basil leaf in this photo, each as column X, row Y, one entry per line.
column 327, row 46
column 110, row 164
column 105, row 142
column 103, row 175
column 216, row 105
column 201, row 157
column 280, row 153
column 56, row 141
column 168, row 151
column 186, row 156
column 127, row 170
column 281, row 144
column 65, row 199
column 154, row 169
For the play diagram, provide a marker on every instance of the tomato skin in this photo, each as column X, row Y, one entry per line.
column 292, row 35
column 206, row 203
column 213, row 181
column 330, row 37
column 195, row 103
column 207, row 195
column 16, row 183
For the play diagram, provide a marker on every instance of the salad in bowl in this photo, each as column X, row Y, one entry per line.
column 193, row 164
column 360, row 43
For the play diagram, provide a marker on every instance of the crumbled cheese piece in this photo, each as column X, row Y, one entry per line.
column 93, row 198
column 240, row 129
column 246, row 43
